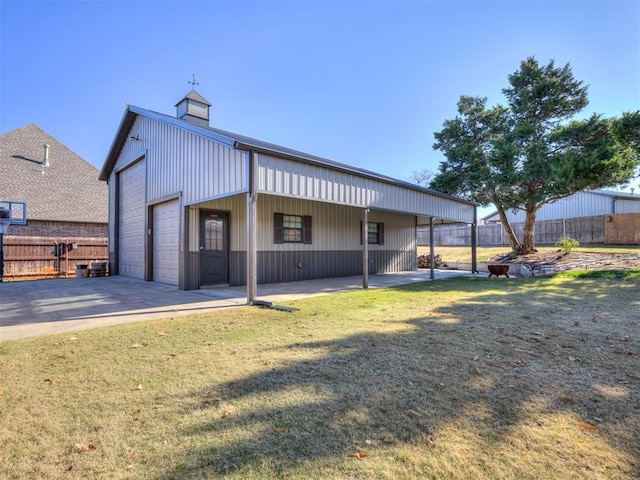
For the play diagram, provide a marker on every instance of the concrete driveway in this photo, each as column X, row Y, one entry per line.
column 43, row 307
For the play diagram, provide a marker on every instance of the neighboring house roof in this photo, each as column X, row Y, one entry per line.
column 69, row 189
column 245, row 143
column 613, row 195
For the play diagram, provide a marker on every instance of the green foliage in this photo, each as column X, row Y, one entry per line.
column 532, row 151
column 567, row 244
column 603, row 274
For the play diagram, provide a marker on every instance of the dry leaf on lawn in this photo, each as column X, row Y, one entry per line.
column 85, row 447
column 586, row 426
column 567, row 399
column 278, row 430
column 358, row 455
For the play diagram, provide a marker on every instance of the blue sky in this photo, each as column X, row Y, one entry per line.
column 361, row 82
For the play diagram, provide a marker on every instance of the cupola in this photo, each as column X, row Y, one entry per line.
column 194, row 109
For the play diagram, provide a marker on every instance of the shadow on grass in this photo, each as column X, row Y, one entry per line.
column 482, row 361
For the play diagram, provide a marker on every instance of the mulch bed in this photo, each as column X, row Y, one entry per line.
column 553, row 261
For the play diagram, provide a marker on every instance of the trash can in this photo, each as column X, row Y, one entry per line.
column 82, row 271
column 98, row 269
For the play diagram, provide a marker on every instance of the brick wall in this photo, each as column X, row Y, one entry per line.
column 29, row 249
column 41, row 228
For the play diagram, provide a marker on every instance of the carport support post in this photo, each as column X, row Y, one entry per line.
column 365, row 248
column 432, row 251
column 252, row 225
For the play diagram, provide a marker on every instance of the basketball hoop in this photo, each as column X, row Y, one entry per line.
column 5, row 220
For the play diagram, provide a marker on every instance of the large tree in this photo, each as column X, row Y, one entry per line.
column 534, row 150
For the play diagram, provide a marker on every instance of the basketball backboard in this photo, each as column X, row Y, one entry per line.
column 18, row 211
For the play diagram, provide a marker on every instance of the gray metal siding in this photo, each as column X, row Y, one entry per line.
column 236, row 206
column 334, row 227
column 282, row 177
column 292, row 266
column 581, row 204
column 335, row 251
column 181, row 161
column 628, row 206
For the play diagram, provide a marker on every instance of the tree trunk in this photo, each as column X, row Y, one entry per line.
column 529, row 235
column 513, row 240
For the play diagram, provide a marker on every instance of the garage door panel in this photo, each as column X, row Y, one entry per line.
column 166, row 244
column 131, row 221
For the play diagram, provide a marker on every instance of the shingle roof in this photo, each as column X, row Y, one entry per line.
column 68, row 190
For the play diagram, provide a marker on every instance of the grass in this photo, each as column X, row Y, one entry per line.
column 484, row 254
column 463, row 378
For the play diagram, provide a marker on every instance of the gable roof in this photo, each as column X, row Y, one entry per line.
column 243, row 142
column 68, row 190
column 193, row 95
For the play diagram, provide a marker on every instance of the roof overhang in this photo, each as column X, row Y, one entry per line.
column 241, row 142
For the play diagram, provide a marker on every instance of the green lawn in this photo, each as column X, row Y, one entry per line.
column 484, row 254
column 455, row 379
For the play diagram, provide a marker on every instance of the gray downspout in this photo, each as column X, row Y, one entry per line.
column 474, row 241
column 365, row 248
column 252, row 224
column 432, row 250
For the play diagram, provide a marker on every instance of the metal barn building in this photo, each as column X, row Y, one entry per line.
column 191, row 205
column 582, row 204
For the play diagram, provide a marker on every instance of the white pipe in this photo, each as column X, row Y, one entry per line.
column 45, row 163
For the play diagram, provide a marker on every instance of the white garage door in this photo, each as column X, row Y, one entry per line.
column 166, row 248
column 131, row 222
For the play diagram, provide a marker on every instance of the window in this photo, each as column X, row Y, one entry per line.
column 375, row 233
column 214, row 234
column 291, row 228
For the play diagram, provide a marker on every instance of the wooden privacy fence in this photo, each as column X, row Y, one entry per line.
column 615, row 229
column 28, row 258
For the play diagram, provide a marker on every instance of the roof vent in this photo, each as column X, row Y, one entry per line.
column 194, row 109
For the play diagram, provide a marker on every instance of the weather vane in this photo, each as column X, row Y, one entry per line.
column 193, row 82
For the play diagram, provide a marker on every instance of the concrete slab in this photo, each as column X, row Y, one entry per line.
column 44, row 307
